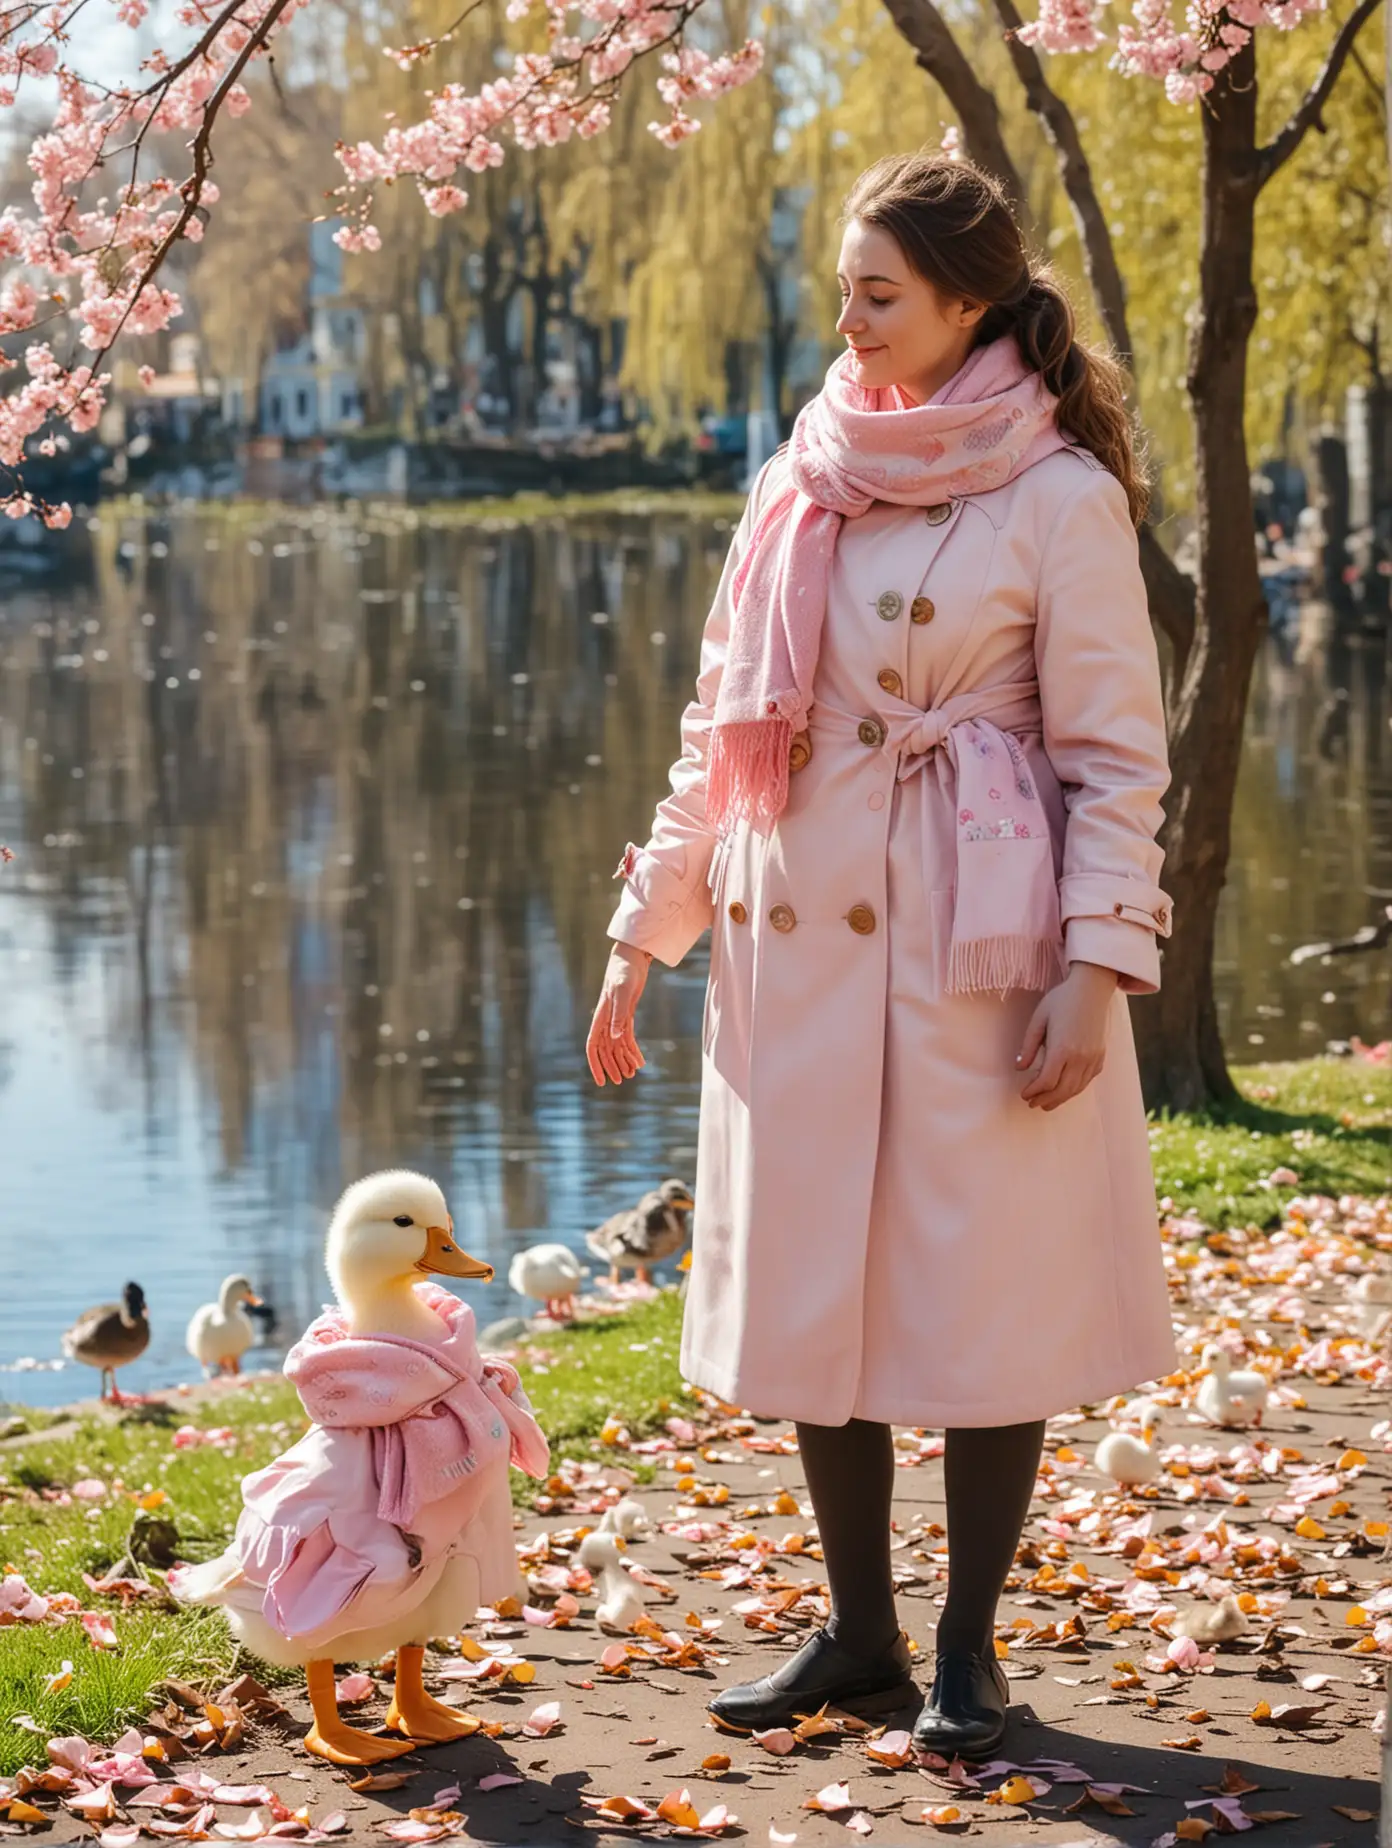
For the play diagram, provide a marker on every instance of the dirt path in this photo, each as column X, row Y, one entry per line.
column 1169, row 1735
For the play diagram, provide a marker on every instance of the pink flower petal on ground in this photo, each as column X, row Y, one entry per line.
column 447, row 1794
column 241, row 1795
column 251, row 1828
column 860, row 1822
column 101, row 1632
column 19, row 1603
column 90, row 1489
column 830, row 1798
column 497, row 1780
column 542, row 1719
column 778, row 1740
column 120, row 1835
column 334, row 1823
column 355, row 1688
column 894, row 1750
column 71, row 1754
column 409, row 1831
column 1184, row 1652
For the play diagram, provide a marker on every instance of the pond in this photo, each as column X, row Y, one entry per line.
column 314, row 815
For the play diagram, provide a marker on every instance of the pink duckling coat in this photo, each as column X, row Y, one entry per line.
column 391, row 1520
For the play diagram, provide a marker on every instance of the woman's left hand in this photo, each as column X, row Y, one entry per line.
column 1064, row 1047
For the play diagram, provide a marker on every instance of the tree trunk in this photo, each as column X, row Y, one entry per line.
column 1182, row 1063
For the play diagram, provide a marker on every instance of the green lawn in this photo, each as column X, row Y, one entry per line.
column 1329, row 1120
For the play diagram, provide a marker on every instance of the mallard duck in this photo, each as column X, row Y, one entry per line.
column 645, row 1234
column 551, row 1274
column 110, row 1336
column 1228, row 1397
column 1127, row 1458
column 621, row 1605
column 381, row 1528
column 221, row 1332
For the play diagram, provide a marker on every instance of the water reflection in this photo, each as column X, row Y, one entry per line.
column 315, row 818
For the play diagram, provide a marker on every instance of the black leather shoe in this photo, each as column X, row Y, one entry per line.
column 822, row 1673
column 964, row 1716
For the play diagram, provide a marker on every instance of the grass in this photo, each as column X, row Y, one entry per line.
column 1330, row 1120
column 489, row 511
column 624, row 1367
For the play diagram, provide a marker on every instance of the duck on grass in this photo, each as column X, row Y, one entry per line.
column 391, row 1521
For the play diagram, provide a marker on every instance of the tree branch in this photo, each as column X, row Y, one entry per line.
column 1172, row 597
column 937, row 52
column 1310, row 111
column 1057, row 121
column 192, row 189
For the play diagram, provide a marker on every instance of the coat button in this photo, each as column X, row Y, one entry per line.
column 738, row 913
column 936, row 514
column 923, row 609
column 890, row 681
column 781, row 917
column 800, row 752
column 861, row 920
column 888, row 605
column 871, row 732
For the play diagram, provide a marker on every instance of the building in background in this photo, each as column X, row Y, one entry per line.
column 313, row 385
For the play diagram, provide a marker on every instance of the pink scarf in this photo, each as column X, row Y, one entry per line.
column 850, row 448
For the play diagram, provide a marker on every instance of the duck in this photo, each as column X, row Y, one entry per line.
column 368, row 1536
column 1228, row 1396
column 622, row 1603
column 111, row 1336
column 1127, row 1458
column 220, row 1333
column 1212, row 1623
column 643, row 1235
column 627, row 1518
column 1373, row 1295
column 550, row 1274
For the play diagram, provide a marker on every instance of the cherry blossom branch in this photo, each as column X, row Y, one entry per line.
column 1310, row 111
column 192, row 189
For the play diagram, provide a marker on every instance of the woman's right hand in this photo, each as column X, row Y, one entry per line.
column 611, row 1047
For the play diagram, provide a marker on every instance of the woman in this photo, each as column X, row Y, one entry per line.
column 917, row 801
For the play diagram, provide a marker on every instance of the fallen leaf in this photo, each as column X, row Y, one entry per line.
column 716, row 1762
column 1354, row 1815
column 381, row 1780
column 1193, row 1829
column 677, row 1807
column 1285, row 1715
column 497, row 1780
column 1192, row 1744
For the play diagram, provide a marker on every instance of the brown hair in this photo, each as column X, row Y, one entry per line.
column 956, row 230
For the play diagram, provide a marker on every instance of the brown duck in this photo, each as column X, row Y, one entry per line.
column 645, row 1234
column 110, row 1336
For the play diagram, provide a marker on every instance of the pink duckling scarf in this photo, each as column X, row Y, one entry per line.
column 850, row 448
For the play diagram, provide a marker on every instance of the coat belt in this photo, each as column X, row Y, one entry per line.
column 912, row 735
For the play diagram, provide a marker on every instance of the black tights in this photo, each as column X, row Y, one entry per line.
column 990, row 1473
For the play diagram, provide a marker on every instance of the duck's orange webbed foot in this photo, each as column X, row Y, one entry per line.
column 331, row 1738
column 418, row 1714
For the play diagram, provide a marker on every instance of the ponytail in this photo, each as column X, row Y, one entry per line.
column 1090, row 384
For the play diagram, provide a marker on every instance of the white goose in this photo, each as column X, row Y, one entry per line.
column 622, row 1603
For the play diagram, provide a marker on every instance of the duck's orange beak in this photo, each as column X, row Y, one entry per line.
column 443, row 1258
column 255, row 1301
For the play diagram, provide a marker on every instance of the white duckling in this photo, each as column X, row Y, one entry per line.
column 551, row 1274
column 628, row 1519
column 1229, row 1396
column 622, row 1603
column 1373, row 1295
column 389, row 1234
column 1212, row 1623
column 221, row 1332
column 1127, row 1458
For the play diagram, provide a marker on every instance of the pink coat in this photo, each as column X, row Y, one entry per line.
column 883, row 1228
column 405, row 1466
